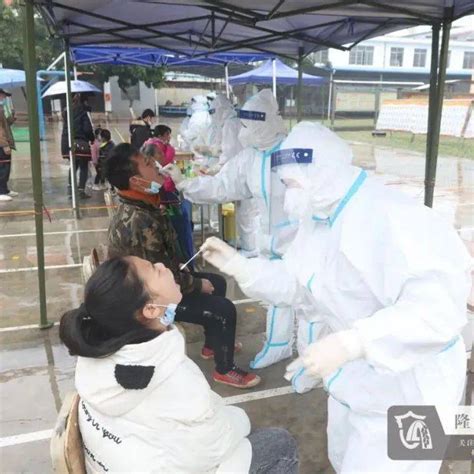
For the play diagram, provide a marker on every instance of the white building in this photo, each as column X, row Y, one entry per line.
column 407, row 51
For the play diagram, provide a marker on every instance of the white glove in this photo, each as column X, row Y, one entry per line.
column 226, row 259
column 173, row 172
column 325, row 356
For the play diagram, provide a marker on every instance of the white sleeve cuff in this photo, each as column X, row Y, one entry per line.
column 352, row 342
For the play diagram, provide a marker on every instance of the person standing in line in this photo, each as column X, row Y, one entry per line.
column 83, row 136
column 140, row 130
column 105, row 147
column 7, row 144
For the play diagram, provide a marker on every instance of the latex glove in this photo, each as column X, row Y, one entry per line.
column 325, row 356
column 173, row 172
column 226, row 259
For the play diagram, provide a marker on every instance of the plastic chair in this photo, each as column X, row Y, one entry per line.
column 66, row 447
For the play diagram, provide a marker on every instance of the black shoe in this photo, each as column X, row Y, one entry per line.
column 83, row 195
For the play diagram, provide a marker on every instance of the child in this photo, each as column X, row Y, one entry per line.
column 162, row 138
column 105, row 147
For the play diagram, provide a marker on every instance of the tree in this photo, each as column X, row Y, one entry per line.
column 48, row 48
column 11, row 40
column 128, row 76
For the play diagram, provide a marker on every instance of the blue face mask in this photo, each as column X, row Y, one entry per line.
column 168, row 318
column 3, row 101
column 154, row 188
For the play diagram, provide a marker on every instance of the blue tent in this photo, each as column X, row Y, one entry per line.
column 153, row 57
column 285, row 75
column 10, row 78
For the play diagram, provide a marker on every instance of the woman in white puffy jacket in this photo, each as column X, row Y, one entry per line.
column 145, row 406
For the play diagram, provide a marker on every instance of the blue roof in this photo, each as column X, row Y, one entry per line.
column 152, row 57
column 197, row 28
column 284, row 75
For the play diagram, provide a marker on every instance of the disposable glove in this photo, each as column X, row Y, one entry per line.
column 226, row 259
column 173, row 172
column 325, row 356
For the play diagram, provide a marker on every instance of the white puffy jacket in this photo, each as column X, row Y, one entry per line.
column 148, row 408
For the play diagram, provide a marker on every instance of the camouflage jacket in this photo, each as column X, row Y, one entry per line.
column 141, row 230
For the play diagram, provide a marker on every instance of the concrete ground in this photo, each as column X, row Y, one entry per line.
column 35, row 369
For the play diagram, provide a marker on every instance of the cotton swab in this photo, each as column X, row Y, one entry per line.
column 184, row 265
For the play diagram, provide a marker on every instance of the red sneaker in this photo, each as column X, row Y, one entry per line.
column 237, row 378
column 207, row 353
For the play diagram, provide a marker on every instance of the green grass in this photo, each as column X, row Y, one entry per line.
column 360, row 130
column 448, row 146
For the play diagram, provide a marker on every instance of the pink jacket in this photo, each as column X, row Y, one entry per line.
column 168, row 153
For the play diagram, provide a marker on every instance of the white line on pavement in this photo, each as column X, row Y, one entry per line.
column 33, row 269
column 25, row 438
column 248, row 397
column 61, row 232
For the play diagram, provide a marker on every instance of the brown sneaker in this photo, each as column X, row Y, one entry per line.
column 207, row 353
column 237, row 378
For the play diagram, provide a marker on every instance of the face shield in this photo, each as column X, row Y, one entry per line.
column 290, row 196
column 253, row 124
column 261, row 122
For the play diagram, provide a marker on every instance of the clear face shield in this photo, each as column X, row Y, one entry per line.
column 252, row 124
column 289, row 196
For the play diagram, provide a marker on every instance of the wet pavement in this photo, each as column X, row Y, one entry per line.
column 35, row 369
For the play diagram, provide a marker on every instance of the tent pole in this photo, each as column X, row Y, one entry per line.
column 331, row 78
column 274, row 78
column 299, row 94
column 431, row 102
column 35, row 153
column 435, row 107
column 70, row 129
column 226, row 73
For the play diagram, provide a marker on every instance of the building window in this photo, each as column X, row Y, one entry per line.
column 362, row 55
column 396, row 57
column 468, row 62
column 321, row 57
column 419, row 59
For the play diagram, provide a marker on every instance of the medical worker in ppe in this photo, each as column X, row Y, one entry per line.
column 246, row 176
column 197, row 128
column 224, row 143
column 391, row 279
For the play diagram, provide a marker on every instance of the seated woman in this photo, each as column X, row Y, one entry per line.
column 145, row 406
column 140, row 228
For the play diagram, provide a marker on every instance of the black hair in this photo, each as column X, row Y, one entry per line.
column 107, row 320
column 105, row 135
column 119, row 166
column 149, row 150
column 148, row 113
column 160, row 130
column 97, row 132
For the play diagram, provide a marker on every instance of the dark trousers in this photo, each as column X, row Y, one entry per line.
column 217, row 315
column 83, row 166
column 5, row 168
column 99, row 178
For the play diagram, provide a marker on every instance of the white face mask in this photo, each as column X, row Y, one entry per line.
column 297, row 203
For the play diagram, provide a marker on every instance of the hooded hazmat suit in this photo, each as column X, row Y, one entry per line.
column 224, row 142
column 197, row 127
column 247, row 176
column 390, row 279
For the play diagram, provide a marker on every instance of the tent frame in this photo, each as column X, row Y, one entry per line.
column 213, row 40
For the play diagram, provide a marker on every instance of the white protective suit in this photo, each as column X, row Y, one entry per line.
column 247, row 176
column 136, row 413
column 224, row 142
column 387, row 270
column 197, row 128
